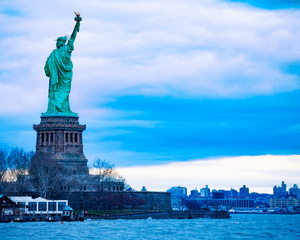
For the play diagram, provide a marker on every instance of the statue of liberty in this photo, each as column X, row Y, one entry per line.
column 59, row 69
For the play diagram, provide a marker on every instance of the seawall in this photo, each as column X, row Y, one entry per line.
column 166, row 215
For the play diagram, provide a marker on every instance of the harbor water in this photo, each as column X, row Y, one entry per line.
column 239, row 226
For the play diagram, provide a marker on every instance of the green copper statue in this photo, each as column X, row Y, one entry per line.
column 59, row 69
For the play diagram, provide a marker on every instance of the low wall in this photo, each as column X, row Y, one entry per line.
column 167, row 215
column 117, row 200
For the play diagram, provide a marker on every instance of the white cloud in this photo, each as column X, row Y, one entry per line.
column 259, row 173
column 189, row 48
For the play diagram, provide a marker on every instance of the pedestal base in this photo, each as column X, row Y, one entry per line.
column 59, row 138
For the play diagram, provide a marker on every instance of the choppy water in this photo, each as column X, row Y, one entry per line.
column 238, row 227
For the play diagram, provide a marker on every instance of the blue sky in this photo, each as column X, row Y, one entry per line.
column 160, row 82
column 270, row 4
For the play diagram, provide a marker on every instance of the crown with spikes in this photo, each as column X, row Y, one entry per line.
column 62, row 38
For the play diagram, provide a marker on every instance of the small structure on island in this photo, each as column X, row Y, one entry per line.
column 7, row 206
column 67, row 213
column 38, row 206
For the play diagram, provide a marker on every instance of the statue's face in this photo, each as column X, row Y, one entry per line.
column 59, row 43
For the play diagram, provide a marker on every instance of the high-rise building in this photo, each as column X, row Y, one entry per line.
column 280, row 191
column 205, row 192
column 232, row 193
column 178, row 194
column 295, row 191
column 194, row 193
column 275, row 191
column 178, row 191
column 244, row 191
column 283, row 188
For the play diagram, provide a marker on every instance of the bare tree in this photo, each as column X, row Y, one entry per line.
column 47, row 177
column 3, row 168
column 3, row 164
column 104, row 172
column 14, row 167
column 81, row 184
column 18, row 162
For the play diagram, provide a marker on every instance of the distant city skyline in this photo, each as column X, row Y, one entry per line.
column 259, row 173
column 173, row 92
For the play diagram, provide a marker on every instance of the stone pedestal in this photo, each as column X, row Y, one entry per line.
column 59, row 138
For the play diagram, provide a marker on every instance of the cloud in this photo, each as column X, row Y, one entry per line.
column 158, row 48
column 259, row 173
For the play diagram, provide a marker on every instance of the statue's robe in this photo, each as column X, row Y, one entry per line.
column 59, row 69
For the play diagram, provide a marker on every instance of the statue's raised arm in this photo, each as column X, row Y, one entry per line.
column 76, row 28
column 59, row 69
